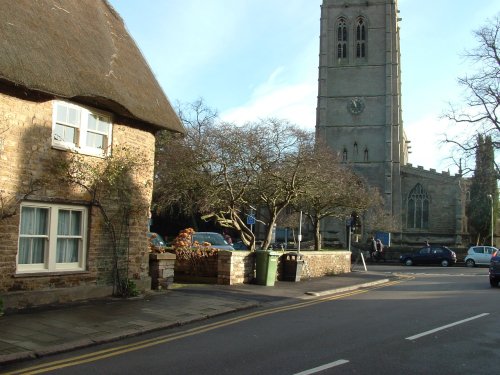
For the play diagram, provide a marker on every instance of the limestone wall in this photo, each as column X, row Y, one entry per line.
column 238, row 267
column 26, row 156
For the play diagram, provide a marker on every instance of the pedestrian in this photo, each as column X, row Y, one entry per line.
column 427, row 244
column 228, row 238
column 372, row 248
column 380, row 250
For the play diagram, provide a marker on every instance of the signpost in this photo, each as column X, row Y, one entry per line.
column 251, row 221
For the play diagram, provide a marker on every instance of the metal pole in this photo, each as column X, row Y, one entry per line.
column 349, row 237
column 300, row 232
column 492, row 226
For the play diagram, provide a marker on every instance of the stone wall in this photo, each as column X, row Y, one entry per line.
column 161, row 270
column 447, row 200
column 325, row 263
column 26, row 157
column 238, row 267
column 235, row 267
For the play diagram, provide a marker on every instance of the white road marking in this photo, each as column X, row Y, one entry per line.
column 446, row 326
column 324, row 367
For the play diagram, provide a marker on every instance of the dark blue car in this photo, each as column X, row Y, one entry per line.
column 430, row 255
column 495, row 269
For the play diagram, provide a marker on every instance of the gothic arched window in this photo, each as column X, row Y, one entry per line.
column 365, row 154
column 344, row 155
column 360, row 38
column 341, row 39
column 418, row 208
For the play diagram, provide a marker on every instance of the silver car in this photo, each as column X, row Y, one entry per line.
column 479, row 255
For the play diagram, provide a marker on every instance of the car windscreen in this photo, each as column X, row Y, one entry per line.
column 214, row 239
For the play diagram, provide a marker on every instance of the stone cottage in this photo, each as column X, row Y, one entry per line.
column 74, row 88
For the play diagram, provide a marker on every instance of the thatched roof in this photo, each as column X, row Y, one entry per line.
column 80, row 50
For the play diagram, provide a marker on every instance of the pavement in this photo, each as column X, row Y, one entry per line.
column 41, row 332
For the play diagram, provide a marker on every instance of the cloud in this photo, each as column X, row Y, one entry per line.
column 427, row 147
column 273, row 98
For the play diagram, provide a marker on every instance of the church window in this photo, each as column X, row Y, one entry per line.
column 418, row 208
column 355, row 148
column 344, row 155
column 360, row 38
column 365, row 157
column 342, row 39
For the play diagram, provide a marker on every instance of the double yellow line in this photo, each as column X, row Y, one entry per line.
column 106, row 353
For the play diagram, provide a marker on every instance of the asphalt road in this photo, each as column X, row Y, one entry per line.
column 435, row 321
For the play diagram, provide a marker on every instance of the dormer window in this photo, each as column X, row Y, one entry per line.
column 81, row 129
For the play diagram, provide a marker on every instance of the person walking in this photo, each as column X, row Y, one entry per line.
column 380, row 250
column 372, row 249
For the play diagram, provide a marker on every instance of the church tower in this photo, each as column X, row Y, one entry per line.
column 359, row 92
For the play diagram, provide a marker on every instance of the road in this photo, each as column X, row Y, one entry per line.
column 432, row 321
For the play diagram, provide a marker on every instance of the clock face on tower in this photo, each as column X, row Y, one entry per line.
column 356, row 106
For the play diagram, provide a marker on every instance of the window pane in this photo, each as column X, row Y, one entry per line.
column 67, row 250
column 63, row 223
column 31, row 250
column 64, row 133
column 69, row 223
column 68, row 115
column 96, row 140
column 24, row 250
column 103, row 125
column 34, row 221
column 76, row 219
column 418, row 214
column 62, row 113
column 425, row 214
column 411, row 213
column 92, row 125
column 74, row 116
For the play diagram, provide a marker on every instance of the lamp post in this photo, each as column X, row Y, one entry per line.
column 490, row 197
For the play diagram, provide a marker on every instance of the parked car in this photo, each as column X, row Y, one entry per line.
column 495, row 268
column 216, row 240
column 157, row 240
column 479, row 255
column 239, row 245
column 430, row 255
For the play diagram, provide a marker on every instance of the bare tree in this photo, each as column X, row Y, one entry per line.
column 333, row 190
column 482, row 100
column 180, row 176
column 222, row 171
column 283, row 153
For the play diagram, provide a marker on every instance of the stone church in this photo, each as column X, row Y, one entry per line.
column 359, row 115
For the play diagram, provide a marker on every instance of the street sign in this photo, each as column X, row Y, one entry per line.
column 250, row 220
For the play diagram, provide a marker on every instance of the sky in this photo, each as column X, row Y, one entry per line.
column 252, row 59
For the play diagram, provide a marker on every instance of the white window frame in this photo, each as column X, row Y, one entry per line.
column 50, row 262
column 82, row 129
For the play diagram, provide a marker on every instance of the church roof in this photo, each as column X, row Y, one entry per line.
column 80, row 50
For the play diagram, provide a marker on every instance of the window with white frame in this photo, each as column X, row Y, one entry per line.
column 52, row 238
column 78, row 128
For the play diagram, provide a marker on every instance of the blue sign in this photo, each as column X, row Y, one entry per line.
column 250, row 220
column 384, row 237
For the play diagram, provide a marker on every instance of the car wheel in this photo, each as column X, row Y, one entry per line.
column 445, row 263
column 494, row 283
column 470, row 263
column 408, row 262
